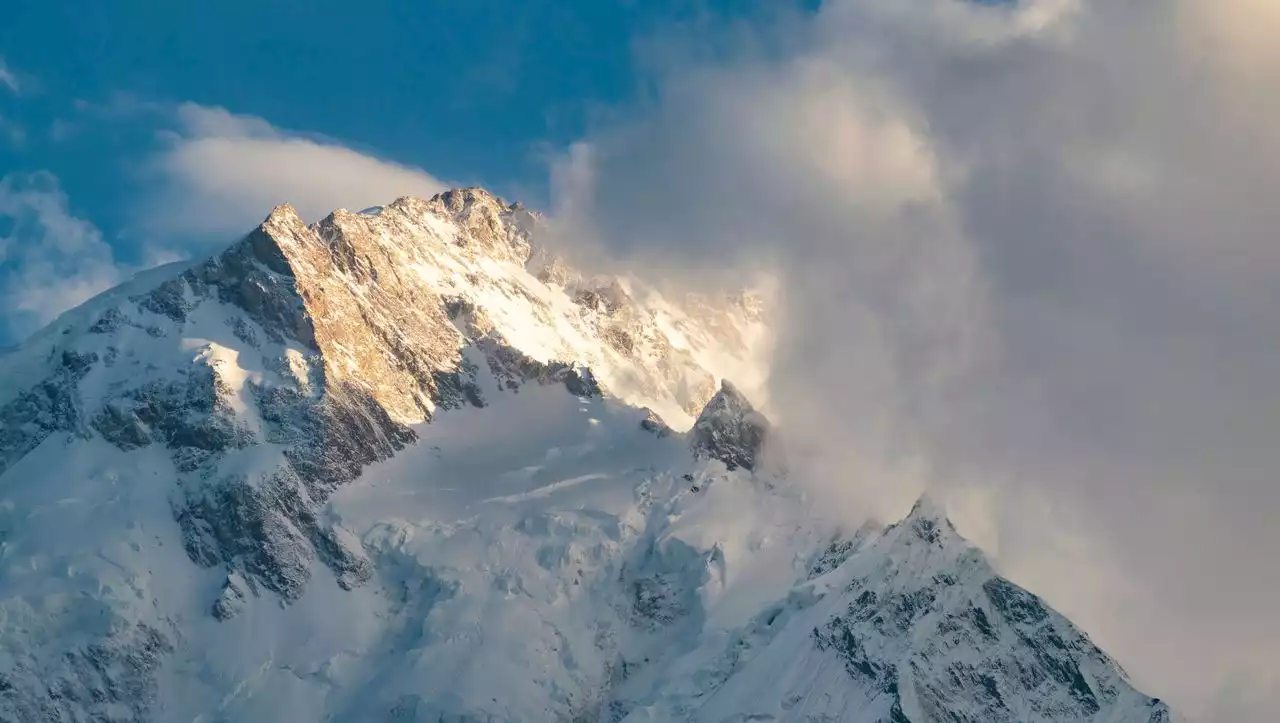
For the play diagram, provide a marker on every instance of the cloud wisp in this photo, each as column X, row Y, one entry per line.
column 50, row 260
column 1029, row 259
column 8, row 79
column 222, row 172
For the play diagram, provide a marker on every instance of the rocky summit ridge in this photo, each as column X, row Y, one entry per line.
column 406, row 464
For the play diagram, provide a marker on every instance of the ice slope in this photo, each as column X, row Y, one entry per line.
column 401, row 465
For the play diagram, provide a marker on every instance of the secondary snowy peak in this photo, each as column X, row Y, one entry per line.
column 908, row 626
column 729, row 429
column 928, row 522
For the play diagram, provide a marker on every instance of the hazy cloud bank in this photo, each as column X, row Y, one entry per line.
column 1030, row 258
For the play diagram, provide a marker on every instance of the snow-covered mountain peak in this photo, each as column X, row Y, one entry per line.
column 284, row 213
column 379, row 295
column 928, row 522
column 274, row 372
column 403, row 464
column 927, row 506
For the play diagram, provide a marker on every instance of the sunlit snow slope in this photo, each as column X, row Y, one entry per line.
column 404, row 465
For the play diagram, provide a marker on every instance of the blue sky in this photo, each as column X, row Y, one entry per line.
column 95, row 97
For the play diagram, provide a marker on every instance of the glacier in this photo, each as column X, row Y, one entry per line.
column 407, row 465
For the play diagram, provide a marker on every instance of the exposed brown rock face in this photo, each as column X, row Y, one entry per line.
column 376, row 327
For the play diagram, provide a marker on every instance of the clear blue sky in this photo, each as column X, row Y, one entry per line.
column 471, row 93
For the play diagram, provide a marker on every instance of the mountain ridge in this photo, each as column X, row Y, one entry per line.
column 415, row 420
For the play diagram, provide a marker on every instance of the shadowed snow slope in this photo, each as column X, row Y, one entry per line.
column 402, row 465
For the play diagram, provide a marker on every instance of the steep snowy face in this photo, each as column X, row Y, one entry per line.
column 906, row 625
column 404, row 465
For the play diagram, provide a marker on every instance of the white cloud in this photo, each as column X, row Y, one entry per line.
column 222, row 173
column 8, row 79
column 50, row 260
column 1031, row 259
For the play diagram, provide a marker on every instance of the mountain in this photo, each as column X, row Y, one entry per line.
column 405, row 464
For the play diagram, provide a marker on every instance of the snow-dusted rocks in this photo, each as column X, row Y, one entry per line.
column 730, row 430
column 405, row 465
column 910, row 625
column 927, row 631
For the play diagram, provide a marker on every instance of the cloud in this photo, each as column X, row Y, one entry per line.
column 1029, row 258
column 221, row 173
column 50, row 260
column 8, row 79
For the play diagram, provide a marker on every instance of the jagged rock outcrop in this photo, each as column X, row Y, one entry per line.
column 50, row 406
column 730, row 430
column 653, row 424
